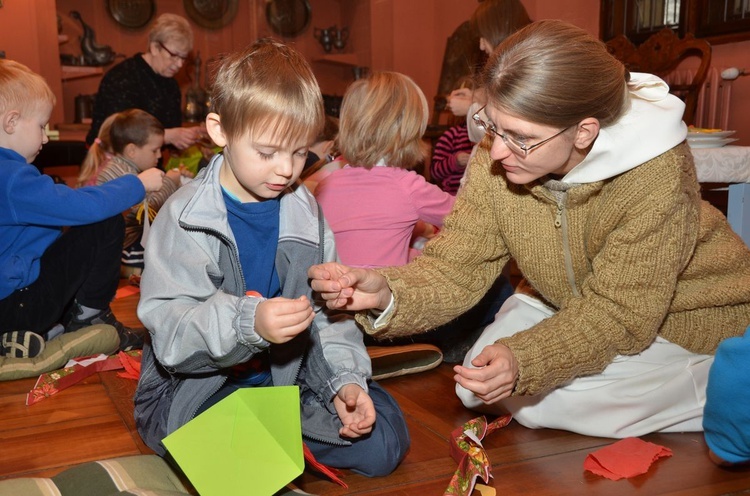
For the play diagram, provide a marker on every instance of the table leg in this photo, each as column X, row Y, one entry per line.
column 738, row 210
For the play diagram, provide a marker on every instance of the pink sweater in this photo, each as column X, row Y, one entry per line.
column 373, row 212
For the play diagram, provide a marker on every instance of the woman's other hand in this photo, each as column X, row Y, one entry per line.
column 494, row 375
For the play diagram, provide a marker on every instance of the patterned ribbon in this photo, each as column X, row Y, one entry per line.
column 466, row 448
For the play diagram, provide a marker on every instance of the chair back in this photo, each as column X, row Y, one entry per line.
column 660, row 54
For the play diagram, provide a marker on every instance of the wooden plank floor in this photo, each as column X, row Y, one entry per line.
column 93, row 420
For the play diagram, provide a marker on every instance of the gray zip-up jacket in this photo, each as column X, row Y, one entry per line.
column 193, row 303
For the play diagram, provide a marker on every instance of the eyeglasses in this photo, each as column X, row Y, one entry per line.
column 515, row 146
column 175, row 56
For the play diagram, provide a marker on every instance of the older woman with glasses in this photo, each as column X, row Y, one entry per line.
column 146, row 81
column 585, row 179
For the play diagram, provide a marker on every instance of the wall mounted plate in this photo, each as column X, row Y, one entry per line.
column 288, row 17
column 132, row 14
column 211, row 14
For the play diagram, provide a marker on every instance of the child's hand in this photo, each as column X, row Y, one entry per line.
column 459, row 101
column 462, row 158
column 184, row 171
column 152, row 179
column 278, row 320
column 174, row 175
column 356, row 411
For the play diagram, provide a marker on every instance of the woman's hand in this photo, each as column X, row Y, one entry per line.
column 349, row 288
column 495, row 374
column 183, row 137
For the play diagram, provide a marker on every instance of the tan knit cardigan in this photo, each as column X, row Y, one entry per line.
column 621, row 260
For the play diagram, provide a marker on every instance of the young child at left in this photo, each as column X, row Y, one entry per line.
column 225, row 293
column 47, row 276
column 130, row 142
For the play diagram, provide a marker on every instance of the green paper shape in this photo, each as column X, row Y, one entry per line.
column 248, row 443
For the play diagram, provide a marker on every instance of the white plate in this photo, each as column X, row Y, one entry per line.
column 713, row 143
column 717, row 134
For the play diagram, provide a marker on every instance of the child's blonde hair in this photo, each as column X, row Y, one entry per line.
column 383, row 116
column 22, row 89
column 118, row 131
column 267, row 85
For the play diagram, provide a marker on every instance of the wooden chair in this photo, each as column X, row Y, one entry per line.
column 660, row 54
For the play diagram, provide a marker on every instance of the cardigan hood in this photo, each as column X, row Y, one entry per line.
column 627, row 143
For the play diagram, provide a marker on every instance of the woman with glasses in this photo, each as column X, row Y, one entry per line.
column 146, row 81
column 585, row 179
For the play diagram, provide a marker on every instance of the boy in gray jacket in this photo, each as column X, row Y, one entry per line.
column 225, row 293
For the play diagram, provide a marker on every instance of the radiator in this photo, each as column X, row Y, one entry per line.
column 713, row 100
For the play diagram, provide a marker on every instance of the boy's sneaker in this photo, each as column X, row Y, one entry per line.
column 21, row 344
column 130, row 339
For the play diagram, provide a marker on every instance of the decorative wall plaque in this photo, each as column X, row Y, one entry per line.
column 288, row 17
column 132, row 14
column 211, row 14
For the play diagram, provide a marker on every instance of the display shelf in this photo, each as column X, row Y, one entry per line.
column 345, row 59
column 79, row 71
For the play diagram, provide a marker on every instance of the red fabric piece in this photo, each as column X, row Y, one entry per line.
column 332, row 473
column 126, row 291
column 626, row 458
column 131, row 364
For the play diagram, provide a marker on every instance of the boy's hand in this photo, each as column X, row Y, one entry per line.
column 278, row 320
column 152, row 179
column 356, row 411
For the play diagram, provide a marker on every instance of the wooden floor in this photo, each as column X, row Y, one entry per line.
column 93, row 420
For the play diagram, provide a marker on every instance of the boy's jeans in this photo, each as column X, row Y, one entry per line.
column 82, row 264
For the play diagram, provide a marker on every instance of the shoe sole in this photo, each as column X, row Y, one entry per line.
column 18, row 344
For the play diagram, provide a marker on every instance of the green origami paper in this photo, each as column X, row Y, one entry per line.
column 248, row 443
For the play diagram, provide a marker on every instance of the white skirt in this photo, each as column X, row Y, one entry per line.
column 662, row 389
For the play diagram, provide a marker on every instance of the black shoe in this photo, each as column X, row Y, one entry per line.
column 130, row 339
column 21, row 344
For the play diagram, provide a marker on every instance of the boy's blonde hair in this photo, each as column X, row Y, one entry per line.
column 118, row 131
column 268, row 85
column 22, row 89
column 383, row 116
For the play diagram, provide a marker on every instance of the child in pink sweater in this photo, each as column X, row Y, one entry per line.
column 374, row 203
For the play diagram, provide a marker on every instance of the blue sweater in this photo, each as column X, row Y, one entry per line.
column 726, row 417
column 33, row 210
